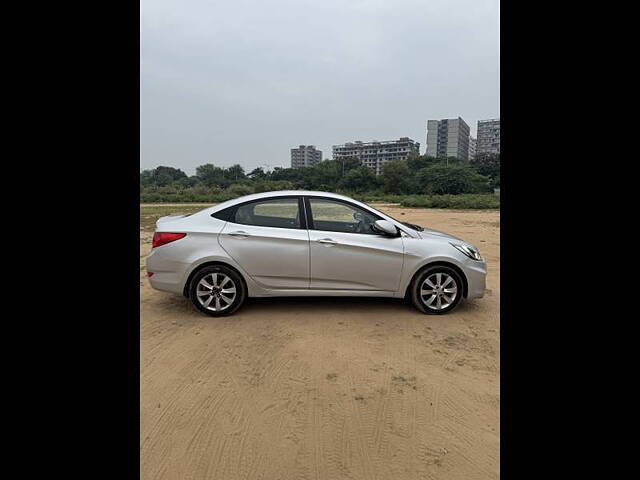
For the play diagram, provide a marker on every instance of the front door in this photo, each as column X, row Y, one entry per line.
column 268, row 240
column 345, row 252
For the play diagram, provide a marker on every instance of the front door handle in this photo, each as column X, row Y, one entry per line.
column 239, row 234
column 327, row 241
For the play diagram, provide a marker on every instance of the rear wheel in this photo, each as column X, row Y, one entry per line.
column 217, row 291
column 436, row 290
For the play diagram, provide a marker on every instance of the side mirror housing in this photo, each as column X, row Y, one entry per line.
column 385, row 227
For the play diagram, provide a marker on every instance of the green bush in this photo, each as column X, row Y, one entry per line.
column 238, row 190
column 441, row 179
column 201, row 194
column 273, row 185
column 420, row 181
column 463, row 201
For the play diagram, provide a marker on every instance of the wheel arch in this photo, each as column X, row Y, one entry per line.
column 185, row 290
column 443, row 263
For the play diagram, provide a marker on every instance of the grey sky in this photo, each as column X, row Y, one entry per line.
column 243, row 81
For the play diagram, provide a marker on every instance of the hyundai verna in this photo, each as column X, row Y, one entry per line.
column 302, row 243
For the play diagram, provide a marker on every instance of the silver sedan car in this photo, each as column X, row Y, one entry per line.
column 303, row 243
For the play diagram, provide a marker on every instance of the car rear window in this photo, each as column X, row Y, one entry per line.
column 279, row 213
column 224, row 214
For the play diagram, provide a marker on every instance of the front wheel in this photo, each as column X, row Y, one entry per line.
column 436, row 290
column 217, row 291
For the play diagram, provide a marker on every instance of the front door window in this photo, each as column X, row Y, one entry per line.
column 333, row 216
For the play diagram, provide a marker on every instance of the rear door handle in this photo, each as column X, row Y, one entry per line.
column 239, row 234
column 327, row 241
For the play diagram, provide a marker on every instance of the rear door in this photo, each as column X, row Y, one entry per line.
column 345, row 253
column 269, row 240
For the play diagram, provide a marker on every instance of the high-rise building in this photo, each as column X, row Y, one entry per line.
column 489, row 136
column 375, row 154
column 448, row 137
column 472, row 148
column 305, row 156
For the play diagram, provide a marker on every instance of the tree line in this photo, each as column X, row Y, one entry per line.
column 417, row 175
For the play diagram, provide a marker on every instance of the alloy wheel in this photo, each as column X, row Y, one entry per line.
column 216, row 292
column 438, row 291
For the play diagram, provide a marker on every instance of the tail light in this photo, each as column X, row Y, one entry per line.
column 162, row 238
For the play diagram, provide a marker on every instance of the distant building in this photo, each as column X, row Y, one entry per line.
column 375, row 154
column 489, row 136
column 448, row 137
column 305, row 156
column 472, row 148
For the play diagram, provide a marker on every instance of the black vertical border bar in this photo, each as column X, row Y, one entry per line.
column 131, row 118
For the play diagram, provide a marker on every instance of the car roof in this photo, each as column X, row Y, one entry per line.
column 284, row 193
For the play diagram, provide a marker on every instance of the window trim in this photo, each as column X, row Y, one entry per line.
column 307, row 204
column 234, row 208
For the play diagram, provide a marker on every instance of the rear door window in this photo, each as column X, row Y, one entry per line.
column 277, row 212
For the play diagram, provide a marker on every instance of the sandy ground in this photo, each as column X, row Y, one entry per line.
column 325, row 388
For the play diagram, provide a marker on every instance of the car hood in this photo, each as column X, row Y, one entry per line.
column 435, row 233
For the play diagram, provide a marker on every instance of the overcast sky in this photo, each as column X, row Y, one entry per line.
column 244, row 81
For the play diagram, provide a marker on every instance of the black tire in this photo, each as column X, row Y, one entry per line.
column 420, row 302
column 197, row 290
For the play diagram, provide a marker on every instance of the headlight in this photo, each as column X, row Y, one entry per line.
column 469, row 251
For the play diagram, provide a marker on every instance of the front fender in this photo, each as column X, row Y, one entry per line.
column 414, row 265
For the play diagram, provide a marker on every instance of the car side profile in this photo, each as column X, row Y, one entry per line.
column 304, row 243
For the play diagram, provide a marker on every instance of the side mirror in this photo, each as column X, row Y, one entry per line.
column 385, row 227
